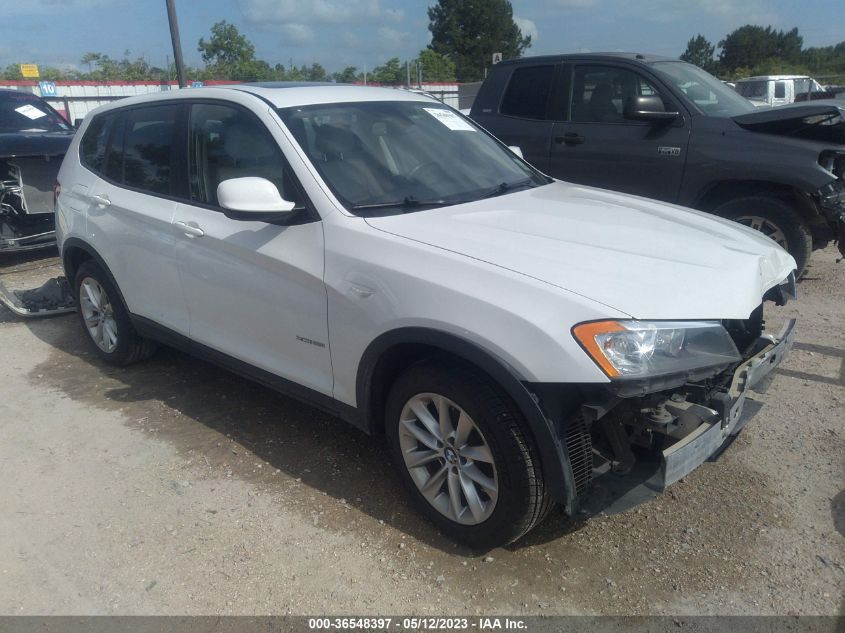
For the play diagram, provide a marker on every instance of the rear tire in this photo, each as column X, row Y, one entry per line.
column 776, row 219
column 481, row 483
column 105, row 319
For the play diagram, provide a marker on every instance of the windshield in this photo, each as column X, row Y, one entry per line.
column 387, row 157
column 709, row 94
column 22, row 112
column 806, row 84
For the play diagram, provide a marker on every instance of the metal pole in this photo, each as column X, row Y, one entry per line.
column 408, row 73
column 177, row 45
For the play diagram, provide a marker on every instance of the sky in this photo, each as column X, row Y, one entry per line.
column 340, row 33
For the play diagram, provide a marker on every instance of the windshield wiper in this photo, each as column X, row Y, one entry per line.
column 506, row 187
column 406, row 203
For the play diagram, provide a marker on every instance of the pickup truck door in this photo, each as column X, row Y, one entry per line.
column 522, row 119
column 593, row 144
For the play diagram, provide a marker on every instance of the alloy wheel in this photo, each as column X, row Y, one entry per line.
column 448, row 458
column 766, row 227
column 98, row 314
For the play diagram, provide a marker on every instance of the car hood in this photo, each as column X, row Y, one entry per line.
column 34, row 143
column 640, row 257
column 817, row 121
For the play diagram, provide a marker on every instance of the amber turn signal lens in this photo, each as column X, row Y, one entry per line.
column 586, row 333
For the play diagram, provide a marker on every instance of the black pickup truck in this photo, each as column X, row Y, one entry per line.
column 665, row 129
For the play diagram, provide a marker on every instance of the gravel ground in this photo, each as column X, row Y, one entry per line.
column 174, row 487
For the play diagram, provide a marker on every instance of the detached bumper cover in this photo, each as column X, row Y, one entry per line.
column 53, row 297
column 726, row 420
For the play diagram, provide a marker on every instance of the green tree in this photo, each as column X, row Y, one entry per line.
column 89, row 59
column 825, row 60
column 701, row 53
column 436, row 67
column 346, row 76
column 12, row 72
column 230, row 55
column 469, row 31
column 753, row 46
column 317, row 73
column 392, row 72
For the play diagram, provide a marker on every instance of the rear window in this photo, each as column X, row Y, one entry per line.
column 528, row 92
column 753, row 89
column 92, row 148
column 22, row 112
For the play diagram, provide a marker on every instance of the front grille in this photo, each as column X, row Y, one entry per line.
column 579, row 448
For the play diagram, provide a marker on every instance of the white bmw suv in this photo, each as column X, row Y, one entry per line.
column 379, row 255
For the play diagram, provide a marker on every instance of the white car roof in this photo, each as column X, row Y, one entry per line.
column 280, row 94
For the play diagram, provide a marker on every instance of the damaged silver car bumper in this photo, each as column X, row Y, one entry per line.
column 719, row 426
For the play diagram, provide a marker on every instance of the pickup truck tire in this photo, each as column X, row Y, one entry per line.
column 473, row 472
column 105, row 319
column 775, row 218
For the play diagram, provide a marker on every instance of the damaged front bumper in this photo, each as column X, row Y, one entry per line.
column 623, row 449
column 27, row 220
column 720, row 423
column 15, row 238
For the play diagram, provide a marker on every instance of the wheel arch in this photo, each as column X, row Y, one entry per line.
column 394, row 351
column 724, row 191
column 75, row 252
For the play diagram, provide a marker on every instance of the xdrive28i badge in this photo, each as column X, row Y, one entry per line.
column 669, row 151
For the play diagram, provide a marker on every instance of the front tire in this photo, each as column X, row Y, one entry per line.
column 775, row 219
column 463, row 453
column 105, row 319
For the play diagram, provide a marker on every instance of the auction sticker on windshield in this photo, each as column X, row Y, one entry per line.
column 30, row 111
column 449, row 119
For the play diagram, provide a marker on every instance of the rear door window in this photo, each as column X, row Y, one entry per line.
column 150, row 150
column 528, row 92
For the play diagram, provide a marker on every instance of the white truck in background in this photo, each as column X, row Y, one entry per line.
column 774, row 90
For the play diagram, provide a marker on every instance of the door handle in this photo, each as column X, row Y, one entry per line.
column 191, row 230
column 570, row 139
column 101, row 200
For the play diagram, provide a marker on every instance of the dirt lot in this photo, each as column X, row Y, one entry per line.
column 173, row 487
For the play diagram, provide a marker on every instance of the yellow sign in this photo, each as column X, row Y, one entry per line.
column 30, row 71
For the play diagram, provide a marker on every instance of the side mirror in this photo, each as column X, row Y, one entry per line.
column 252, row 198
column 516, row 150
column 77, row 123
column 647, row 108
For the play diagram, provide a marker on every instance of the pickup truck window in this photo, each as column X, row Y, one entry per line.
column 528, row 92
column 599, row 93
column 780, row 90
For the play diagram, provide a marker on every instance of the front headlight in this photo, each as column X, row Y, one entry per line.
column 643, row 349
